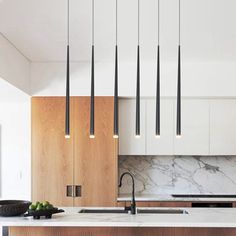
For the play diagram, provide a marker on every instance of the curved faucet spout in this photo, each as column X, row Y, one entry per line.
column 133, row 204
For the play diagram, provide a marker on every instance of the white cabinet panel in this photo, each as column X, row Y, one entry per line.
column 128, row 144
column 195, row 128
column 223, row 127
column 164, row 144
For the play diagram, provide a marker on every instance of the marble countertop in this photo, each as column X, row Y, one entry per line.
column 197, row 217
column 159, row 197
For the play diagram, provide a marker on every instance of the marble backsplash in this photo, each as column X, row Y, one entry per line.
column 179, row 174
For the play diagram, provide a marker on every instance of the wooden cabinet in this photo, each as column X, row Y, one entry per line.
column 58, row 162
column 223, row 127
column 128, row 144
column 164, row 144
column 164, row 204
column 52, row 154
column 156, row 204
column 95, row 160
column 195, row 128
column 124, row 231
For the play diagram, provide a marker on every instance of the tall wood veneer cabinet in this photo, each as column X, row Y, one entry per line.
column 52, row 154
column 58, row 162
column 95, row 161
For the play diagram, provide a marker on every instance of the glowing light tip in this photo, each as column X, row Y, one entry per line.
column 157, row 136
column 91, row 136
column 67, row 136
column 178, row 136
column 137, row 136
column 115, row 136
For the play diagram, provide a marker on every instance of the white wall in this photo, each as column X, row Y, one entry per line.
column 207, row 79
column 14, row 67
column 15, row 178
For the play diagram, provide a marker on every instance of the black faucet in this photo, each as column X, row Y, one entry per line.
column 132, row 207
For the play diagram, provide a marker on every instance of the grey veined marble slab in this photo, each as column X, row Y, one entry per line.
column 179, row 174
column 196, row 217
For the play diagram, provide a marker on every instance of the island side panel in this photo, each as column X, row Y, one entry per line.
column 116, row 231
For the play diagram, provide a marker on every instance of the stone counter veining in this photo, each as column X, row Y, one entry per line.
column 197, row 217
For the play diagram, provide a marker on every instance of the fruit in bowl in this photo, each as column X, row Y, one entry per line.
column 39, row 206
column 44, row 208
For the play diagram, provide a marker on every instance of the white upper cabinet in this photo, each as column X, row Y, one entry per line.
column 223, row 127
column 128, row 144
column 164, row 144
column 208, row 127
column 195, row 128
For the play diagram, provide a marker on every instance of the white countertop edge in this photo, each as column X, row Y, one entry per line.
column 197, row 217
column 122, row 224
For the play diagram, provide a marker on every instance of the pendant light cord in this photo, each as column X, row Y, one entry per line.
column 158, row 23
column 179, row 24
column 67, row 115
column 92, row 22
column 138, row 19
column 116, row 21
column 68, row 22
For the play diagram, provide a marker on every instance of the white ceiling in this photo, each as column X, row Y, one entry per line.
column 38, row 29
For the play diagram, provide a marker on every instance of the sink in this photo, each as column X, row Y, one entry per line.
column 161, row 211
column 139, row 211
column 103, row 211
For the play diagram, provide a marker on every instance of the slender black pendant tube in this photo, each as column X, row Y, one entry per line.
column 116, row 103
column 158, row 94
column 137, row 130
column 92, row 97
column 67, row 120
column 178, row 126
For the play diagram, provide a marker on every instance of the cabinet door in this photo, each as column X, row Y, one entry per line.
column 195, row 128
column 95, row 160
column 128, row 143
column 52, row 154
column 164, row 144
column 156, row 204
column 223, row 127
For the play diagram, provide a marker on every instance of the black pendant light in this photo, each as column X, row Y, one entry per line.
column 157, row 133
column 92, row 135
column 137, row 126
column 178, row 125
column 67, row 117
column 116, row 103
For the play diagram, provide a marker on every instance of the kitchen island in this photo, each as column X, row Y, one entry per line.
column 197, row 221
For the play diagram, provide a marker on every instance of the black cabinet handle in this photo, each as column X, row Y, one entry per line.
column 77, row 190
column 69, row 191
column 73, row 190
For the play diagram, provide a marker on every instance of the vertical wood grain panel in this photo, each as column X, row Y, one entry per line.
column 52, row 154
column 164, row 204
column 95, row 160
column 156, row 204
column 117, row 231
